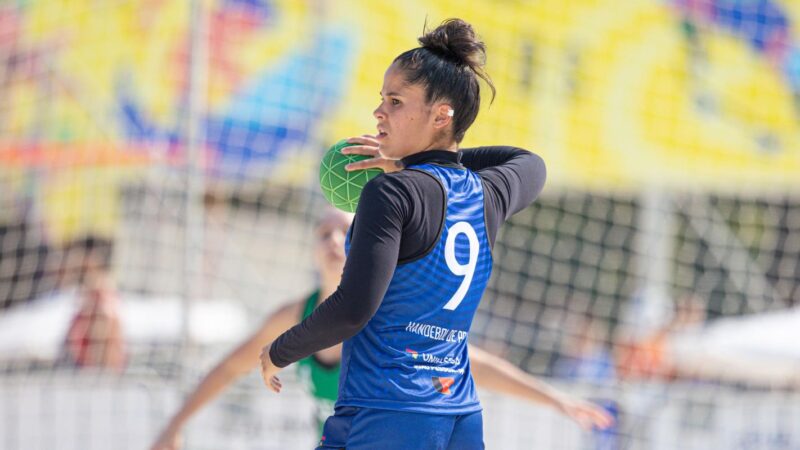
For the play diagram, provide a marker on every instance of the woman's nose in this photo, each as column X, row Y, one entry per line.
column 378, row 113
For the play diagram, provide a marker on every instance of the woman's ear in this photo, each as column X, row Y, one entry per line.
column 444, row 115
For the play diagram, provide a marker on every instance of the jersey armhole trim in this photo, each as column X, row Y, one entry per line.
column 486, row 216
column 441, row 226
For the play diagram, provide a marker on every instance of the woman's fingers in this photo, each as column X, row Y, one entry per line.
column 364, row 139
column 275, row 384
column 366, row 164
column 602, row 418
column 367, row 145
column 366, row 150
column 591, row 416
column 379, row 162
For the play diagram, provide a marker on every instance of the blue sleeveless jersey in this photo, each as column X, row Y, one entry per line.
column 412, row 354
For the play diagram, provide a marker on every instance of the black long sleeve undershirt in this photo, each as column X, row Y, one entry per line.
column 398, row 219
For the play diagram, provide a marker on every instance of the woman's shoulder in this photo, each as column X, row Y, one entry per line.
column 401, row 191
column 404, row 181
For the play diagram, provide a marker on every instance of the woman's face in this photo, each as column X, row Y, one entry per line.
column 406, row 123
column 329, row 242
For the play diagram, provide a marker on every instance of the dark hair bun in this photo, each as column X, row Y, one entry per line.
column 456, row 40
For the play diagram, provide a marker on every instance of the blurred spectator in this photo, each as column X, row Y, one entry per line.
column 585, row 355
column 94, row 337
column 648, row 357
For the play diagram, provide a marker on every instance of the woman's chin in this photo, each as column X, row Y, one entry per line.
column 334, row 264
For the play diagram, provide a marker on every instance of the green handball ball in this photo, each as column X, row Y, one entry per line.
column 340, row 187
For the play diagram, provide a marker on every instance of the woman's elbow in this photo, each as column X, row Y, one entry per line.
column 354, row 321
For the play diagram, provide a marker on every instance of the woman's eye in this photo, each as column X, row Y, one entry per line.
column 395, row 102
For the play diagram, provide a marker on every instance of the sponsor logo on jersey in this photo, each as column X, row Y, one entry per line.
column 433, row 359
column 436, row 333
column 439, row 369
column 442, row 384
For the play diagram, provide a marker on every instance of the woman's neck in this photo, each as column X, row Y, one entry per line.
column 327, row 288
column 448, row 145
column 451, row 147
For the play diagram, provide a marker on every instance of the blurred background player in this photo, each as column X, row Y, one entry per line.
column 320, row 371
column 648, row 356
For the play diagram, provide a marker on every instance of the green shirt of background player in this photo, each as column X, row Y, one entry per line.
column 321, row 371
column 322, row 378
